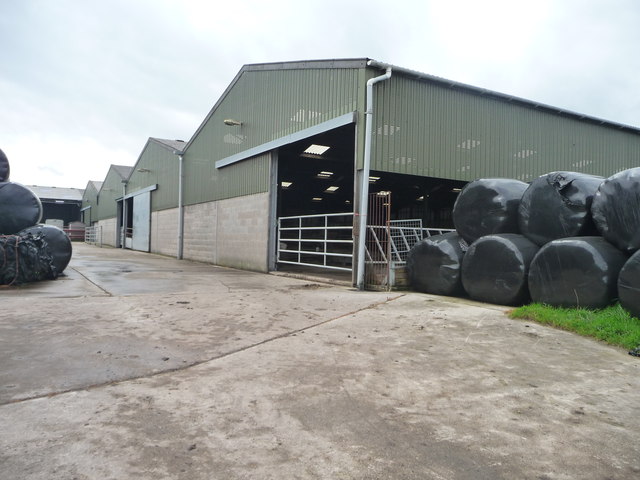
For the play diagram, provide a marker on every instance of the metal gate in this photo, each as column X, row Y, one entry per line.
column 93, row 235
column 389, row 242
column 378, row 243
column 326, row 241
column 323, row 241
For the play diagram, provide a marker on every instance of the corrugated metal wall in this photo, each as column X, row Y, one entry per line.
column 111, row 189
column 422, row 128
column 419, row 128
column 204, row 183
column 270, row 104
column 163, row 171
column 89, row 199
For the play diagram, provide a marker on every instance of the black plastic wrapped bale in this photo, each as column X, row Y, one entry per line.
column 576, row 272
column 487, row 206
column 19, row 208
column 24, row 259
column 57, row 243
column 495, row 268
column 4, row 167
column 434, row 264
column 629, row 285
column 616, row 209
column 558, row 205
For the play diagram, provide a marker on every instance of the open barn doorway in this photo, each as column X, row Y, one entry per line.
column 428, row 199
column 315, row 175
column 315, row 205
column 403, row 210
column 315, row 184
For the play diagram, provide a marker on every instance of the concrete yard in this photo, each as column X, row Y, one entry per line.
column 136, row 366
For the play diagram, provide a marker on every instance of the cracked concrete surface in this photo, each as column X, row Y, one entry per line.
column 140, row 366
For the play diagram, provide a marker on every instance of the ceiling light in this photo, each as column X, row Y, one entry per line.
column 286, row 184
column 317, row 199
column 314, row 149
column 331, row 189
column 420, row 198
column 324, row 174
column 456, row 190
column 373, row 179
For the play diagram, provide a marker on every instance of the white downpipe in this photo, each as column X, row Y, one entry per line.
column 364, row 187
column 180, row 208
column 125, row 220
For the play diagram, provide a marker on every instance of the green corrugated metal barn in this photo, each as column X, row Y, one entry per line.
column 89, row 208
column 291, row 140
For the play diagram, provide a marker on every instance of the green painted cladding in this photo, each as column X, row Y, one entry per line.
column 422, row 128
column 90, row 203
column 111, row 189
column 270, row 104
column 205, row 183
column 157, row 165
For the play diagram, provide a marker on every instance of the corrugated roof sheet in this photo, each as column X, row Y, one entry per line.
column 122, row 170
column 57, row 193
column 171, row 144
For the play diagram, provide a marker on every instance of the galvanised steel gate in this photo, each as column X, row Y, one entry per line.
column 93, row 235
column 378, row 245
column 389, row 242
column 324, row 241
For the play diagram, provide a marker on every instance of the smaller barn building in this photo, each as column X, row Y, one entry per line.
column 60, row 206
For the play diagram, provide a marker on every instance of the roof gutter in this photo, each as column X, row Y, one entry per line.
column 364, row 185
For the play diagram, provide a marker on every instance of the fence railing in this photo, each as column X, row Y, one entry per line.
column 323, row 241
column 93, row 235
column 75, row 233
column 401, row 240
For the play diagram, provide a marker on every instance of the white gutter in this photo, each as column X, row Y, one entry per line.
column 364, row 186
column 180, row 207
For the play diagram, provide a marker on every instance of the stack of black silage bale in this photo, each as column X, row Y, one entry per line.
column 567, row 239
column 28, row 251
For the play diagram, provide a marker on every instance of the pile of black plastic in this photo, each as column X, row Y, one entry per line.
column 28, row 251
column 567, row 239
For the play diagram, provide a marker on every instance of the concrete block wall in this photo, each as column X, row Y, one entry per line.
column 164, row 232
column 109, row 231
column 233, row 232
column 200, row 232
column 243, row 232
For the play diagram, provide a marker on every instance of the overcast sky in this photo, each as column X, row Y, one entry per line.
column 84, row 83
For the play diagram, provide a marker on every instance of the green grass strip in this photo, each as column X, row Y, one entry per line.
column 613, row 324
